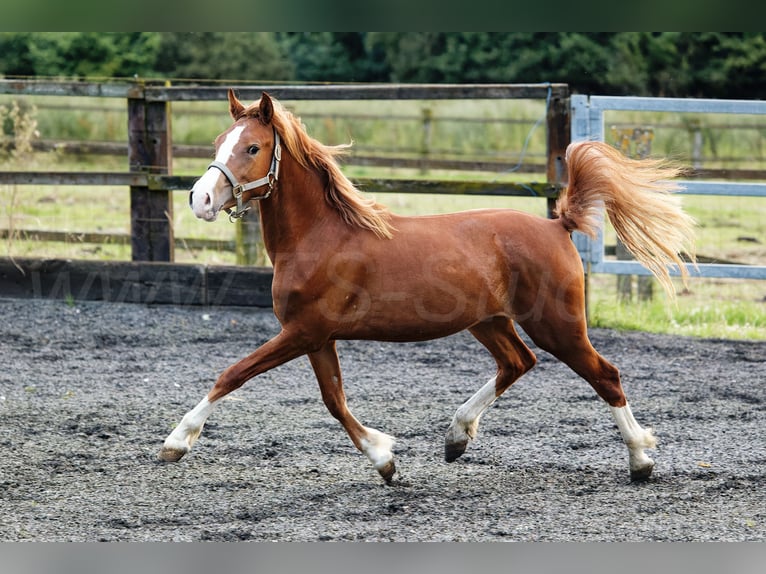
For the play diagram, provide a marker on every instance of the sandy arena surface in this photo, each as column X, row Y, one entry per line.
column 89, row 391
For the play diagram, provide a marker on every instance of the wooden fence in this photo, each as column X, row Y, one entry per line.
column 150, row 149
column 151, row 183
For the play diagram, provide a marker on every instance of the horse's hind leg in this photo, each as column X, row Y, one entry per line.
column 568, row 341
column 373, row 443
column 513, row 359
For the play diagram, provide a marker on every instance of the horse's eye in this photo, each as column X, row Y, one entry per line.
column 252, row 150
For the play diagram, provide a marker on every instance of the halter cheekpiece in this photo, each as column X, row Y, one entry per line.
column 238, row 189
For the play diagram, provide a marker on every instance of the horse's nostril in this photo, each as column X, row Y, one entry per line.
column 191, row 196
column 208, row 200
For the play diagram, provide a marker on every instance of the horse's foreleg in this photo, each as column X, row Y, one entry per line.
column 180, row 441
column 513, row 359
column 373, row 443
column 278, row 350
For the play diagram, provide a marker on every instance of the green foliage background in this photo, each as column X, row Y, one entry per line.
column 679, row 64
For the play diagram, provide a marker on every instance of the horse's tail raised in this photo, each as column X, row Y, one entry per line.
column 638, row 198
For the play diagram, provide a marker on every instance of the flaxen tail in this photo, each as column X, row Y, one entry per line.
column 638, row 198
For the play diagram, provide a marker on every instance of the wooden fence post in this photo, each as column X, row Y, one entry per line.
column 425, row 142
column 558, row 137
column 150, row 151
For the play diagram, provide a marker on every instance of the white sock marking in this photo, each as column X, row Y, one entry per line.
column 377, row 446
column 187, row 431
column 635, row 437
column 466, row 419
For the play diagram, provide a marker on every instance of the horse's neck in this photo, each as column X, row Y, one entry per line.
column 295, row 210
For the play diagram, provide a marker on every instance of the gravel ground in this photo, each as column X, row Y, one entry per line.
column 89, row 392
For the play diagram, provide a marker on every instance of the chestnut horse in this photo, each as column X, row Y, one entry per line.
column 347, row 268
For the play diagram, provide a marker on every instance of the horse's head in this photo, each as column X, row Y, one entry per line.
column 246, row 165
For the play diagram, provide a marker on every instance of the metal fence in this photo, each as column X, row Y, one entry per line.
column 587, row 123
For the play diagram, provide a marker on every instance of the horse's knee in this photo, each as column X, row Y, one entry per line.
column 228, row 381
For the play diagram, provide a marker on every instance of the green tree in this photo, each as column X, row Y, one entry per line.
column 246, row 56
column 78, row 54
column 483, row 57
column 27, row 53
column 681, row 64
column 745, row 65
column 334, row 57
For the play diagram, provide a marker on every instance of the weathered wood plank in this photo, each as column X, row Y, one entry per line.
column 533, row 189
column 557, row 139
column 161, row 93
column 135, row 282
column 112, row 238
column 380, row 185
column 204, row 152
column 151, row 210
column 75, row 147
column 359, row 92
column 30, row 87
column 239, row 286
column 159, row 183
column 94, row 178
column 113, row 281
column 184, row 182
column 435, row 163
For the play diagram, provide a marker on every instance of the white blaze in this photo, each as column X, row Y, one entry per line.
column 204, row 202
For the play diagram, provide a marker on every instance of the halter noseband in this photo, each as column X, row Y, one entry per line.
column 238, row 189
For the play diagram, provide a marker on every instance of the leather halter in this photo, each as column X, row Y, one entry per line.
column 238, row 189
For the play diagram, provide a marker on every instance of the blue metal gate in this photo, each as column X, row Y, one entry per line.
column 588, row 124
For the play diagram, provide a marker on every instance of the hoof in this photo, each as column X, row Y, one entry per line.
column 641, row 474
column 169, row 454
column 387, row 471
column 453, row 450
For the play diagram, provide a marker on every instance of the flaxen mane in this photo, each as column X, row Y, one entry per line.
column 355, row 209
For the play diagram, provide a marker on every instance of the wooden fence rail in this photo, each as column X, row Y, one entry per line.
column 76, row 147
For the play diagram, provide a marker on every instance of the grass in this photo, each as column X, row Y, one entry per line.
column 710, row 308
column 731, row 229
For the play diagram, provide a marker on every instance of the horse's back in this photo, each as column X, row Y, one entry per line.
column 521, row 239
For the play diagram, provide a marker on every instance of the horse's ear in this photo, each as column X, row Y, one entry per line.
column 235, row 106
column 266, row 109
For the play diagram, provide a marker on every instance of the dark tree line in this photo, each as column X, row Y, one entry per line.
column 683, row 64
